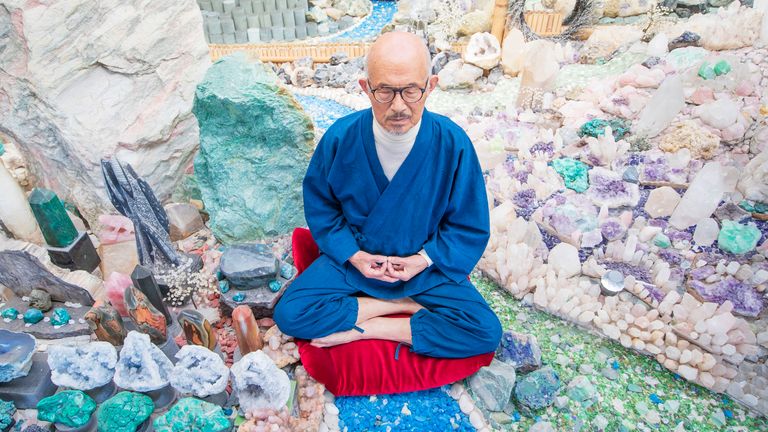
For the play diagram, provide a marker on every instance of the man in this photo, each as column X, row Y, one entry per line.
column 395, row 198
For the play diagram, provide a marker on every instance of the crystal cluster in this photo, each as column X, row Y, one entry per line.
column 142, row 365
column 82, row 367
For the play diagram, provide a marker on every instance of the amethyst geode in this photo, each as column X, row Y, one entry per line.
column 746, row 300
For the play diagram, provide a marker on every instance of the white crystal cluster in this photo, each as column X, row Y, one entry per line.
column 199, row 371
column 142, row 366
column 259, row 384
column 82, row 367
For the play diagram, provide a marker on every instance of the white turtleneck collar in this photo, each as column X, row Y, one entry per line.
column 392, row 149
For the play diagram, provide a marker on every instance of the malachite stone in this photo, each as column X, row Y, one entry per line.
column 33, row 316
column 722, row 67
column 124, row 412
column 574, row 173
column 60, row 317
column 57, row 227
column 193, row 415
column 275, row 285
column 7, row 410
column 10, row 313
column 223, row 286
column 706, row 71
column 754, row 207
column 662, row 241
column 71, row 408
column 737, row 238
column 596, row 128
column 239, row 297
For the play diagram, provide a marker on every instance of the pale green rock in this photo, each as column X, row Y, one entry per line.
column 255, row 145
column 71, row 408
column 737, row 238
column 193, row 415
column 661, row 240
column 574, row 173
column 124, row 412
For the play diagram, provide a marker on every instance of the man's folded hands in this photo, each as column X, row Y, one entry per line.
column 388, row 269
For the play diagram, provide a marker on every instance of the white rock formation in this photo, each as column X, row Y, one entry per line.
column 142, row 367
column 199, row 371
column 754, row 179
column 259, row 383
column 85, row 80
column 82, row 367
column 15, row 212
column 512, row 52
column 483, row 51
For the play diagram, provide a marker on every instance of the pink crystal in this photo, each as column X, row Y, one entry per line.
column 115, row 286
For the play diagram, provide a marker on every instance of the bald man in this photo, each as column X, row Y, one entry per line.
column 395, row 198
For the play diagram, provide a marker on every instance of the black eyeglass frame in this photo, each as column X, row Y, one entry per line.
column 396, row 91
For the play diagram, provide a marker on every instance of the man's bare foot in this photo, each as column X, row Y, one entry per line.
column 337, row 339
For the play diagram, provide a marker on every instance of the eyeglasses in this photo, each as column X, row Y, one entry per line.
column 409, row 94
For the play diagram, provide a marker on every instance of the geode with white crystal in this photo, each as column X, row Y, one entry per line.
column 259, row 383
column 142, row 366
column 199, row 371
column 607, row 188
column 82, row 367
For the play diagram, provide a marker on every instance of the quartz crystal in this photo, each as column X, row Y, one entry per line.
column 662, row 108
column 199, row 371
column 142, row 366
column 83, row 367
column 703, row 195
column 706, row 232
column 661, row 202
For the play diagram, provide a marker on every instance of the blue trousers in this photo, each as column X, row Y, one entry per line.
column 456, row 321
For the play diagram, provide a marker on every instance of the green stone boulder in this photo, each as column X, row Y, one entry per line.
column 737, row 238
column 574, row 173
column 71, row 408
column 255, row 145
column 124, row 412
column 193, row 415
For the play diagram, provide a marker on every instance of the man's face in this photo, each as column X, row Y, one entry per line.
column 398, row 116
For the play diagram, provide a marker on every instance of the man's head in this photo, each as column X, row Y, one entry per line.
column 398, row 61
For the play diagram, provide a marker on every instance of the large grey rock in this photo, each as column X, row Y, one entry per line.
column 83, row 80
column 22, row 273
column 249, row 266
column 494, row 384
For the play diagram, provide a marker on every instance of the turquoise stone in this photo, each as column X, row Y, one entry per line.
column 287, row 271
column 754, row 207
column 124, row 412
column 596, row 128
column 57, row 227
column 706, row 71
column 2, row 148
column 223, row 286
column 60, row 317
column 737, row 238
column 7, row 409
column 193, row 415
column 662, row 241
column 71, row 408
column 275, row 285
column 255, row 146
column 33, row 316
column 10, row 313
column 574, row 173
column 239, row 297
column 722, row 67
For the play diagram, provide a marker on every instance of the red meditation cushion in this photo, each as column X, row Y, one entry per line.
column 369, row 367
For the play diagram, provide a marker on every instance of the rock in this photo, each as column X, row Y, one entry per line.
column 573, row 172
column 40, row 299
column 7, row 410
column 494, row 384
column 16, row 350
column 60, row 317
column 83, row 367
column 661, row 202
column 124, row 412
column 355, row 8
column 564, row 260
column 249, row 266
column 333, row 13
column 151, row 63
column 753, row 182
column 737, row 238
column 15, row 212
column 145, row 316
column 730, row 28
column 115, row 286
column 199, row 371
column 537, row 389
column 22, row 273
column 520, row 350
column 457, row 75
column 483, row 51
column 703, row 195
column 690, row 134
column 477, row 21
column 183, row 220
column 33, row 316
column 106, row 324
column 606, row 188
column 607, row 39
column 581, row 391
column 56, row 226
column 719, row 114
column 542, row 426
column 441, row 59
column 686, row 39
column 667, row 101
column 512, row 52
column 193, row 415
column 71, row 408
column 273, row 151
column 259, row 383
column 142, row 365
column 626, row 8
column 658, row 46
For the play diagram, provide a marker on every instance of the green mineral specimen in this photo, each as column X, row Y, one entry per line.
column 193, row 415
column 722, row 67
column 33, row 316
column 57, row 227
column 596, row 128
column 10, row 313
column 574, row 173
column 60, row 317
column 7, row 410
column 662, row 241
column 706, row 71
column 255, row 145
column 71, row 408
column 2, row 152
column 754, row 206
column 737, row 238
column 124, row 412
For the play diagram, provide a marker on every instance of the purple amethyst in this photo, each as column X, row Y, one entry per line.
column 702, row 273
column 612, row 230
column 746, row 300
column 520, row 350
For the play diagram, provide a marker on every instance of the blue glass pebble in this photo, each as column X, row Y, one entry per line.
column 655, row 399
column 728, row 413
column 224, row 286
column 275, row 285
column 516, row 416
column 615, row 364
column 239, row 297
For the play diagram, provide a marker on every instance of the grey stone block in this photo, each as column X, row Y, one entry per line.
column 311, row 29
column 254, row 35
column 303, row 4
column 216, row 39
column 258, row 7
column 218, row 5
column 292, row 4
column 277, row 19
column 266, row 21
column 206, row 5
column 301, row 32
column 238, row 12
column 247, row 6
column 290, row 34
column 227, row 25
column 241, row 36
column 253, row 21
column 265, row 34
column 299, row 17
column 214, row 27
column 270, row 5
column 277, row 33
column 333, row 27
column 229, row 38
column 26, row 392
column 281, row 5
column 80, row 255
column 241, row 23
column 288, row 19
column 228, row 5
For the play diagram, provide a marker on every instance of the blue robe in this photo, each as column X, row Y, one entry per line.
column 436, row 201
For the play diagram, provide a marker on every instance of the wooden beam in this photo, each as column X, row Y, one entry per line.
column 499, row 19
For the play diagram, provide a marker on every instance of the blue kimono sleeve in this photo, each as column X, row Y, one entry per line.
column 323, row 211
column 464, row 230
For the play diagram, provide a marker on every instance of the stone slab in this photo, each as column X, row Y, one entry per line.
column 26, row 392
column 80, row 255
column 44, row 330
column 21, row 272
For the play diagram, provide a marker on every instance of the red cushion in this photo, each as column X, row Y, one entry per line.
column 368, row 367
